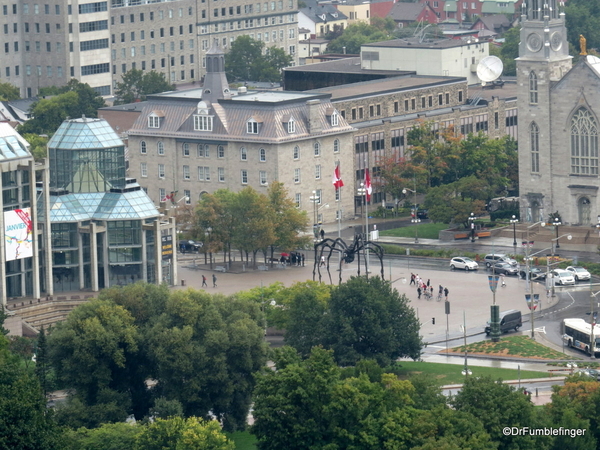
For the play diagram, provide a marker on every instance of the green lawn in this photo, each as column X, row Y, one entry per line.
column 426, row 231
column 521, row 346
column 243, row 440
column 451, row 373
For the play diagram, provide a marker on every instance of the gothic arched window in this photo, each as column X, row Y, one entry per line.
column 584, row 143
column 533, row 88
column 534, row 139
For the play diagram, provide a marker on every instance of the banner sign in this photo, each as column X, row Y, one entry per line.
column 18, row 234
column 534, row 304
column 167, row 247
column 493, row 280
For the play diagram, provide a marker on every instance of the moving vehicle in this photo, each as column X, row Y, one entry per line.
column 562, row 277
column 462, row 262
column 189, row 246
column 580, row 273
column 493, row 258
column 578, row 334
column 509, row 320
column 505, row 268
column 535, row 273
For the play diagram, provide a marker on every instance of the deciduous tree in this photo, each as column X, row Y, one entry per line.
column 9, row 92
column 247, row 60
column 137, row 84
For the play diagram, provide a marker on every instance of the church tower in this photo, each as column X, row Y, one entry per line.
column 543, row 60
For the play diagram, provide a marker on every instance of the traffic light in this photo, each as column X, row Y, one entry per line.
column 433, row 320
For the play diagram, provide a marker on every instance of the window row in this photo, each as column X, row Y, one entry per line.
column 161, row 14
column 253, row 23
column 26, row 10
column 141, row 51
column 425, row 101
column 38, row 70
column 37, row 46
column 204, row 174
column 36, row 28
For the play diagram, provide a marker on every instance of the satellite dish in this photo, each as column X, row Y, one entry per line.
column 489, row 69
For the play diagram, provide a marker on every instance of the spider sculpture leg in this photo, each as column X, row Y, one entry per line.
column 377, row 250
column 326, row 245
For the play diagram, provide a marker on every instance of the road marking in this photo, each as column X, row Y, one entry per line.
column 540, row 330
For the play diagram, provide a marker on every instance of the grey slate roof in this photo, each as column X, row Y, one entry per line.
column 230, row 117
column 406, row 12
column 321, row 13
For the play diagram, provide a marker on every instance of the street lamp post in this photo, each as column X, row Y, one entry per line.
column 528, row 285
column 207, row 234
column 472, row 222
column 514, row 222
column 569, row 237
column 556, row 224
column 362, row 191
column 314, row 199
column 415, row 218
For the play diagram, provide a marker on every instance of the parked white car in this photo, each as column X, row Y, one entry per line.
column 579, row 273
column 462, row 262
column 563, row 277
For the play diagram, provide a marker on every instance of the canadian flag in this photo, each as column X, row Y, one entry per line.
column 337, row 179
column 368, row 188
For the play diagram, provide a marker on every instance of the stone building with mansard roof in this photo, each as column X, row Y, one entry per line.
column 193, row 142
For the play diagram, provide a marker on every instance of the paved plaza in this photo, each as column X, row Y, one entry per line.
column 468, row 291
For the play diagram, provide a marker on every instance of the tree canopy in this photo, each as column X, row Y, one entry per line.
column 74, row 101
column 137, row 84
column 9, row 92
column 457, row 175
column 248, row 60
column 361, row 33
column 201, row 350
column 249, row 221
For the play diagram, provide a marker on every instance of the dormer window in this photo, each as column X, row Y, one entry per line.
column 154, row 119
column 203, row 121
column 335, row 119
column 252, row 126
column 290, row 123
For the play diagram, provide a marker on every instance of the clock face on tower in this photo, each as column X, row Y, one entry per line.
column 556, row 41
column 534, row 42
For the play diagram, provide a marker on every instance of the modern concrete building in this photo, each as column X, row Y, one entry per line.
column 558, row 113
column 96, row 42
column 445, row 57
column 187, row 143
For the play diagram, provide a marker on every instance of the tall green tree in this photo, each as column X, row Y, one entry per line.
column 499, row 405
column 95, row 351
column 75, row 100
column 42, row 364
column 38, row 145
column 367, row 318
column 247, row 60
column 361, row 33
column 288, row 221
column 9, row 92
column 583, row 17
column 137, row 84
column 182, row 434
column 25, row 423
column 510, row 51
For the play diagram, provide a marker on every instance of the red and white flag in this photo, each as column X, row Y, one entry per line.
column 368, row 187
column 337, row 178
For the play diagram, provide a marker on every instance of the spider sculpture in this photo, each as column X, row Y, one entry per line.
column 325, row 249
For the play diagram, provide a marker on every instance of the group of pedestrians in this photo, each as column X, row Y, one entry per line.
column 214, row 280
column 426, row 288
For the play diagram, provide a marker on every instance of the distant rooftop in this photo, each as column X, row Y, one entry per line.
column 384, row 85
column 345, row 65
column 271, row 96
column 414, row 43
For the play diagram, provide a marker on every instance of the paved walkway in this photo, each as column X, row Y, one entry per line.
column 470, row 296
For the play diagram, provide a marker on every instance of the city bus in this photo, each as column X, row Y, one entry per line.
column 577, row 334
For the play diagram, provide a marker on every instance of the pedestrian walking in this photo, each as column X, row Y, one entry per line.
column 446, row 292
column 322, row 234
column 428, row 282
column 419, row 292
column 412, row 279
column 204, row 281
column 431, row 291
column 214, row 280
column 302, row 259
column 322, row 261
column 440, row 293
column 502, row 279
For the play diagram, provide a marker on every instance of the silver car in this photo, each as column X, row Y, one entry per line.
column 462, row 262
column 579, row 273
